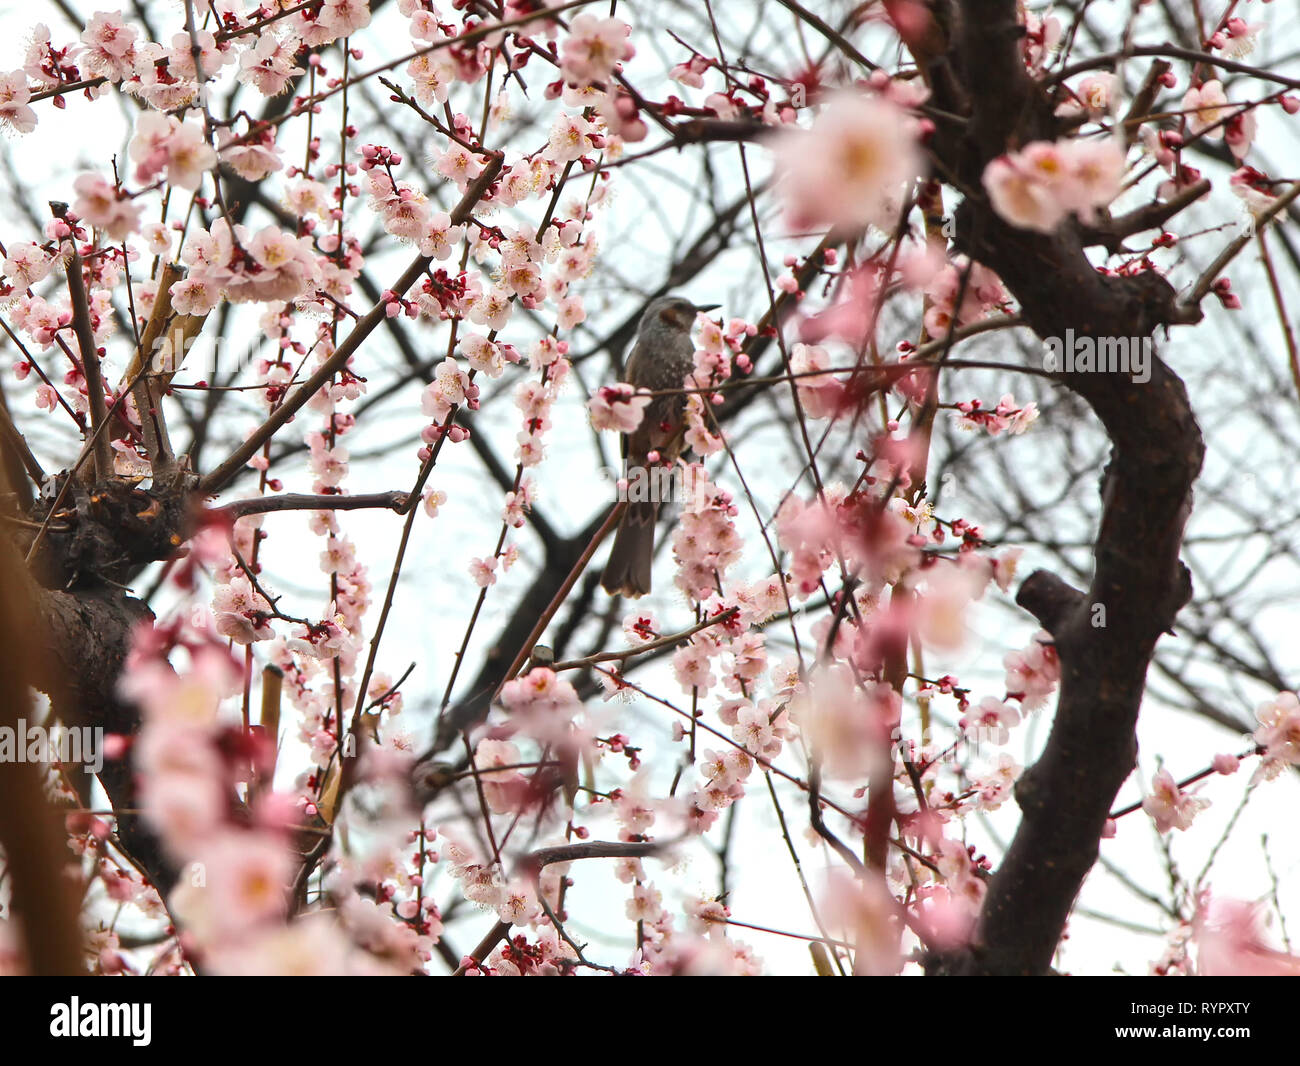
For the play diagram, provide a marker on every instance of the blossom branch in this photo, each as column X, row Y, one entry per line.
column 103, row 454
column 302, row 501
column 226, row 470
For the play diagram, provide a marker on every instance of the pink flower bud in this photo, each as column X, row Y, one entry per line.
column 1225, row 764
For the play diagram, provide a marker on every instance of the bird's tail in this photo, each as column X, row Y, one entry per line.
column 627, row 572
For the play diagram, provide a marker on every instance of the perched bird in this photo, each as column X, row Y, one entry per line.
column 661, row 358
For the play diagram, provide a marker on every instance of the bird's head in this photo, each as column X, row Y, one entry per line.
column 675, row 311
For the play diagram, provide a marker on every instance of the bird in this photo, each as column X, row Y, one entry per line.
column 661, row 358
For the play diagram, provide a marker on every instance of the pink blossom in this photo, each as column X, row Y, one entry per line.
column 1092, row 95
column 1279, row 731
column 705, row 541
column 820, row 394
column 106, row 207
column 252, row 159
column 850, row 727
column 1037, row 187
column 850, row 167
column 692, row 664
column 1170, row 807
column 594, row 49
column 433, row 73
column 868, row 911
column 1230, row 942
column 1206, row 104
column 110, row 46
column 502, row 789
column 483, row 571
column 1034, row 672
column 1225, row 764
column 541, row 701
column 239, row 879
column 617, row 407
column 1020, row 197
column 268, row 65
column 26, row 264
column 14, row 95
column 161, row 142
column 991, row 721
column 994, row 788
column 1239, row 133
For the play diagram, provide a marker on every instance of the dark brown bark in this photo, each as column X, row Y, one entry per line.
column 1104, row 636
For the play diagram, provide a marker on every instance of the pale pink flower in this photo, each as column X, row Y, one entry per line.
column 1169, row 806
column 503, row 790
column 1239, row 133
column 106, row 207
column 994, row 789
column 691, row 665
column 1230, row 942
column 26, row 264
column 820, row 394
column 646, row 903
column 941, row 607
column 307, row 197
column 1279, row 731
column 1038, row 186
column 1005, row 566
column 991, row 721
column 157, row 238
column 850, row 727
column 570, row 138
column 440, row 237
column 1020, row 196
column 518, row 904
column 268, row 65
column 483, row 571
column 1206, row 104
column 459, row 164
column 433, row 73
column 541, row 702
column 239, row 879
column 958, row 872
column 14, row 95
column 180, row 57
column 850, row 168
column 110, row 46
column 1094, row 171
column 251, row 159
column 162, row 142
column 594, row 48
column 241, row 613
column 1242, row 38
column 314, row 946
column 868, row 913
column 1092, row 95
column 433, row 500
column 617, row 407
column 194, row 296
column 1034, row 672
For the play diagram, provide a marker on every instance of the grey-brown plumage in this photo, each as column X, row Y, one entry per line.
column 661, row 358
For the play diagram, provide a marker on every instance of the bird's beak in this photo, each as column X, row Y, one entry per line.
column 707, row 307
